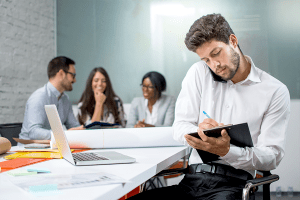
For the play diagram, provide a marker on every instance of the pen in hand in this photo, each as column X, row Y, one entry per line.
column 206, row 114
column 219, row 125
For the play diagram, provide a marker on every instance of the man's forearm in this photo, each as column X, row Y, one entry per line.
column 38, row 133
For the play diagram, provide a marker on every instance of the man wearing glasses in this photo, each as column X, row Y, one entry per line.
column 61, row 73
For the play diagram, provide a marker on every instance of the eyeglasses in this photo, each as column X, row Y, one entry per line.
column 147, row 87
column 73, row 74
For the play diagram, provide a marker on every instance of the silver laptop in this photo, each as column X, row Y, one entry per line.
column 84, row 158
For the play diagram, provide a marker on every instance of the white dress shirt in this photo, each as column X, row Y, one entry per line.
column 260, row 100
column 151, row 117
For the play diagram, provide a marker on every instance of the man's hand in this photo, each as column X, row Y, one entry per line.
column 208, row 123
column 219, row 146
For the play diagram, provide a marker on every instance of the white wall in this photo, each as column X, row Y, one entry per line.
column 27, row 44
column 289, row 168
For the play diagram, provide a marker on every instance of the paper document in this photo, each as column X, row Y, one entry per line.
column 36, row 182
column 120, row 138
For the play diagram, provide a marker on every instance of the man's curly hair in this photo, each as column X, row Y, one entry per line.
column 212, row 26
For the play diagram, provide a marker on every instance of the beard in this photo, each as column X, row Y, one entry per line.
column 235, row 62
column 67, row 85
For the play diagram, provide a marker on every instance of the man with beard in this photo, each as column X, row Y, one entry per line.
column 61, row 73
column 232, row 90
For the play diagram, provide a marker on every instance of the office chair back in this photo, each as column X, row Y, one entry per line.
column 11, row 131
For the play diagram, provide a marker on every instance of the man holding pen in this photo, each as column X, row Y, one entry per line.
column 231, row 90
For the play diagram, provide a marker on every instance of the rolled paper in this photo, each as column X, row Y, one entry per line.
column 120, row 138
column 5, row 145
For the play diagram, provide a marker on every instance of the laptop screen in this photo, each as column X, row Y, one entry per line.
column 58, row 132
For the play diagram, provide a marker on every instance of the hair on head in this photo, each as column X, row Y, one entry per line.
column 207, row 28
column 158, row 81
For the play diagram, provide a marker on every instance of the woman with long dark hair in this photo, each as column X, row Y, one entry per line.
column 99, row 102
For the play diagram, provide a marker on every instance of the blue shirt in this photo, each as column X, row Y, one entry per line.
column 36, row 125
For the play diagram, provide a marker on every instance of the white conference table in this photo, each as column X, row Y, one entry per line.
column 149, row 161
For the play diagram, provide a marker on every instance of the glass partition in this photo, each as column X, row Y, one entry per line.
column 131, row 37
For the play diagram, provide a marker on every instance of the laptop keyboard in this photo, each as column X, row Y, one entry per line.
column 87, row 157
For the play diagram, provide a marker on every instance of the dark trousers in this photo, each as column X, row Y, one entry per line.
column 201, row 186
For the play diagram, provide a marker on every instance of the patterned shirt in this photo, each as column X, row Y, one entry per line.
column 107, row 116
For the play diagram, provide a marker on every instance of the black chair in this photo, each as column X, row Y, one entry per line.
column 11, row 131
column 266, row 179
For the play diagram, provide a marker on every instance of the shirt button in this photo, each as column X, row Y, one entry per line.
column 227, row 106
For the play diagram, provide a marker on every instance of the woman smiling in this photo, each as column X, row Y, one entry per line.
column 99, row 101
column 154, row 108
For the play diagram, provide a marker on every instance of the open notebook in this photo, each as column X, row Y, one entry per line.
column 85, row 158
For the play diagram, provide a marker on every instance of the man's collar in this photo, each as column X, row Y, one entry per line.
column 54, row 91
column 253, row 75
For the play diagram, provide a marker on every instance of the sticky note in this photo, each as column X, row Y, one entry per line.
column 22, row 172
column 39, row 170
column 44, row 190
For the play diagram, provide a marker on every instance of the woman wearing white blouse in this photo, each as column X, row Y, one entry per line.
column 154, row 108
